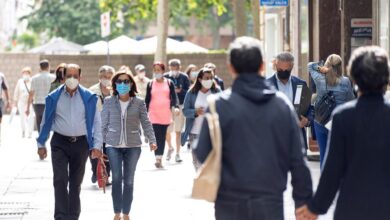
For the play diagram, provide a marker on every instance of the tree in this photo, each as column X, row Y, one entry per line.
column 74, row 20
column 240, row 17
column 162, row 33
column 256, row 18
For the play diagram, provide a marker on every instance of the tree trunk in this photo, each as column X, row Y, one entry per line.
column 162, row 31
column 215, row 27
column 256, row 18
column 240, row 21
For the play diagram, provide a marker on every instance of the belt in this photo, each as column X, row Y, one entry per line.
column 71, row 139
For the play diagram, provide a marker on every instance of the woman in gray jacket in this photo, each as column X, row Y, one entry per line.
column 122, row 115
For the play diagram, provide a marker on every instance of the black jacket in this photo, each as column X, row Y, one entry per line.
column 261, row 143
column 172, row 94
column 357, row 163
column 182, row 82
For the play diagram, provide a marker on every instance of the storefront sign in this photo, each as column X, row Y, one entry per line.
column 274, row 3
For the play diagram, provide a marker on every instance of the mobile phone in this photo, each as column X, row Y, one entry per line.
column 321, row 63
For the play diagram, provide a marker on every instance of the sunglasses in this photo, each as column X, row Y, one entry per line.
column 119, row 81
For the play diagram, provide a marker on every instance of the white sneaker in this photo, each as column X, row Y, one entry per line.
column 178, row 159
column 169, row 155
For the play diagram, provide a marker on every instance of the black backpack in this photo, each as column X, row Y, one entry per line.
column 324, row 107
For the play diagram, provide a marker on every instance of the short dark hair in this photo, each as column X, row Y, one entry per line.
column 133, row 90
column 44, row 64
column 369, row 69
column 70, row 66
column 245, row 55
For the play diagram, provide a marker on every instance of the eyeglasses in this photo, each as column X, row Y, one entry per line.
column 126, row 81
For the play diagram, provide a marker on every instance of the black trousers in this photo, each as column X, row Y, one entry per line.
column 94, row 163
column 39, row 109
column 68, row 160
column 160, row 131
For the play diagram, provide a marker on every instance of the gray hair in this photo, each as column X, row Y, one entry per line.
column 106, row 69
column 174, row 62
column 285, row 57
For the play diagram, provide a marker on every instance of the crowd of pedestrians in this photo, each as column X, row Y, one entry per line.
column 263, row 136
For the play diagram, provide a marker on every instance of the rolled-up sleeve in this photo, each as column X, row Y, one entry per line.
column 97, row 131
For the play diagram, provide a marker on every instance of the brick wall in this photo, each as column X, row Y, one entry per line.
column 11, row 64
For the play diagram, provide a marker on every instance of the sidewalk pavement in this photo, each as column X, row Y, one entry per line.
column 26, row 190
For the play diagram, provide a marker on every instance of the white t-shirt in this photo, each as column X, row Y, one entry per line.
column 123, row 110
column 201, row 101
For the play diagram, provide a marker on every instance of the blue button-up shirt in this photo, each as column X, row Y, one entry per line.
column 70, row 118
column 287, row 88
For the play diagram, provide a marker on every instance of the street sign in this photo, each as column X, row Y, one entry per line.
column 105, row 24
column 361, row 27
column 275, row 3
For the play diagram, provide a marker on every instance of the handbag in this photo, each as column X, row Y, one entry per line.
column 207, row 181
column 101, row 174
column 324, row 107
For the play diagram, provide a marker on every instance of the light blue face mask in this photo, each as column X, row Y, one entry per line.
column 123, row 88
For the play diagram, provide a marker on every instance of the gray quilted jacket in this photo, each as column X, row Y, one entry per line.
column 136, row 115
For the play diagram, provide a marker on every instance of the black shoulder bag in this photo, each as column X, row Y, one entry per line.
column 324, row 107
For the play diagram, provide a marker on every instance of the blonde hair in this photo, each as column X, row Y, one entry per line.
column 27, row 69
column 334, row 74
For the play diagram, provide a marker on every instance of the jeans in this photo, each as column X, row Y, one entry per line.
column 68, row 161
column 160, row 131
column 322, row 139
column 39, row 109
column 123, row 181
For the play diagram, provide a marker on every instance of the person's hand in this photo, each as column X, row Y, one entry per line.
column 324, row 70
column 27, row 112
column 304, row 122
column 303, row 213
column 200, row 111
column 176, row 111
column 178, row 90
column 42, row 152
column 153, row 147
column 95, row 154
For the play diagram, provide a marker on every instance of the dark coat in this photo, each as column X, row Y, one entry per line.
column 295, row 81
column 357, row 162
column 182, row 82
column 261, row 144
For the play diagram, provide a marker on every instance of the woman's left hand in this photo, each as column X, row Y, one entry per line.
column 153, row 147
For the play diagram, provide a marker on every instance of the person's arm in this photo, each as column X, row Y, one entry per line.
column 105, row 114
column 300, row 174
column 333, row 169
column 189, row 110
column 17, row 92
column 30, row 96
column 97, row 131
column 4, row 87
column 221, row 84
column 148, row 95
column 186, row 84
column 202, row 145
column 313, row 69
column 173, row 95
column 146, row 125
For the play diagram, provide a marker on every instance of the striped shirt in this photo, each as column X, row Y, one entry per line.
column 40, row 85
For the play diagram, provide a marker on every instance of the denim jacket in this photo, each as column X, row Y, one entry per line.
column 343, row 91
column 190, row 113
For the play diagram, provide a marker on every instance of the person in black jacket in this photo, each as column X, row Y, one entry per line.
column 261, row 142
column 217, row 79
column 182, row 85
column 357, row 162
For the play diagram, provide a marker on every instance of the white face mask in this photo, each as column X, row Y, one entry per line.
column 26, row 77
column 207, row 84
column 193, row 75
column 105, row 82
column 158, row 75
column 141, row 75
column 72, row 83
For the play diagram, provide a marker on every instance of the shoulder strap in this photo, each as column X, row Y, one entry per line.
column 214, row 126
column 26, row 86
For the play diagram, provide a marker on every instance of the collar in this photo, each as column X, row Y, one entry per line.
column 280, row 82
column 67, row 93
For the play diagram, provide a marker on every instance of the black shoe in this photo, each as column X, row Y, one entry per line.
column 108, row 183
column 93, row 179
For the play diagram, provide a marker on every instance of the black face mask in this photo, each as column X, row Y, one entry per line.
column 284, row 74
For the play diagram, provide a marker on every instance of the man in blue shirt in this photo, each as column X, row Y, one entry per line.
column 71, row 113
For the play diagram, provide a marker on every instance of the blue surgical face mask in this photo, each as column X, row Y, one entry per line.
column 123, row 88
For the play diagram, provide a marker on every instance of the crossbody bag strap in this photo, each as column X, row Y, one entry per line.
column 26, row 86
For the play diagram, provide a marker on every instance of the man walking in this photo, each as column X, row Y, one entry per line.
column 71, row 113
column 141, row 80
column 40, row 87
column 261, row 142
column 284, row 82
column 182, row 84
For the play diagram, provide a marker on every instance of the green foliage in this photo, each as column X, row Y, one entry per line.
column 28, row 40
column 74, row 20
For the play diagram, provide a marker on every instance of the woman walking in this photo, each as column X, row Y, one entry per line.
column 59, row 77
column 122, row 115
column 357, row 163
column 329, row 78
column 160, row 99
column 195, row 104
column 21, row 94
